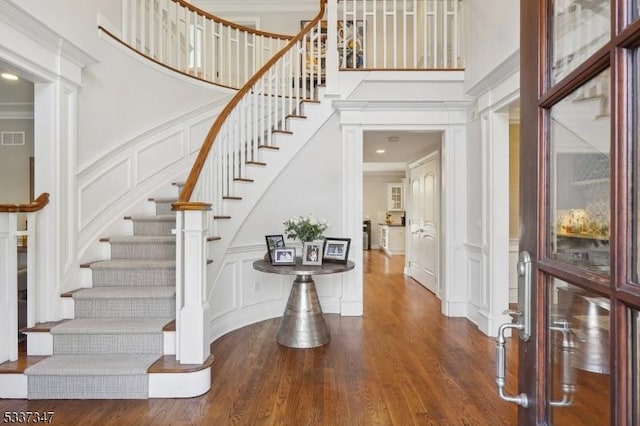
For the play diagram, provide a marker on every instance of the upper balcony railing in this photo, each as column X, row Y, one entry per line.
column 192, row 41
column 400, row 34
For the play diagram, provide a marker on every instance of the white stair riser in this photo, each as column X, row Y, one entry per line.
column 143, row 251
column 134, row 277
column 125, row 308
column 72, row 344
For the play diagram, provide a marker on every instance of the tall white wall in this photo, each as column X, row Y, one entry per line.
column 492, row 34
column 14, row 163
column 121, row 96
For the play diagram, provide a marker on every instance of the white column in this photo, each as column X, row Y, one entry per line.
column 193, row 333
column 498, row 222
column 352, row 288
column 453, row 223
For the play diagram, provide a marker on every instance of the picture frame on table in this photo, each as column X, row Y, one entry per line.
column 336, row 250
column 284, row 256
column 312, row 252
column 274, row 242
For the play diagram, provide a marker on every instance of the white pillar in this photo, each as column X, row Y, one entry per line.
column 352, row 286
column 192, row 311
column 8, row 288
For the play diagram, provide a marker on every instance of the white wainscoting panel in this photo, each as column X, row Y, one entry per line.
column 106, row 187
column 475, row 279
column 158, row 155
column 224, row 295
column 197, row 132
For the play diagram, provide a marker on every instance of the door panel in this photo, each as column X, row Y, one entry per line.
column 424, row 257
column 578, row 198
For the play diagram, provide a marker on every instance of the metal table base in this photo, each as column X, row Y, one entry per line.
column 303, row 324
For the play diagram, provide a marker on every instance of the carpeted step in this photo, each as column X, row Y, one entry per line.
column 134, row 273
column 143, row 247
column 153, row 225
column 110, row 336
column 90, row 377
column 163, row 206
column 125, row 302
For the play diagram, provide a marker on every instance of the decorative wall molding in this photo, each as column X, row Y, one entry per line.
column 16, row 111
column 502, row 72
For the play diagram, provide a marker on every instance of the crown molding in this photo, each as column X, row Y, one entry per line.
column 399, row 105
column 16, row 111
column 504, row 70
column 21, row 21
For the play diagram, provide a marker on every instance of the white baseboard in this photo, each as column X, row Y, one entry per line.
column 179, row 385
column 13, row 386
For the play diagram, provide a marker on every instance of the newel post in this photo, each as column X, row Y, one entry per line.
column 331, row 77
column 192, row 331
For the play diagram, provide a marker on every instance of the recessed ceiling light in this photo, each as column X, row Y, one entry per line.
column 380, row 151
column 393, row 138
column 8, row 76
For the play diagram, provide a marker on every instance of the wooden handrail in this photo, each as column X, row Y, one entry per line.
column 190, row 184
column 231, row 24
column 157, row 62
column 35, row 206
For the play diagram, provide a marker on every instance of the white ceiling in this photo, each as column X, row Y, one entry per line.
column 408, row 147
column 16, row 96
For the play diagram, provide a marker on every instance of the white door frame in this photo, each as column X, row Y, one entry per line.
column 355, row 119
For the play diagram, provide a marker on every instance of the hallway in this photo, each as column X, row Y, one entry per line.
column 403, row 363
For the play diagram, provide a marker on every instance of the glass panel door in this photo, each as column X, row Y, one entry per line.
column 580, row 131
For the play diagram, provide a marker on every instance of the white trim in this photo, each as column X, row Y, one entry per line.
column 13, row 386
column 504, row 70
column 179, row 385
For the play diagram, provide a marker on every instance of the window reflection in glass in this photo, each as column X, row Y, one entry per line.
column 579, row 29
column 579, row 364
column 579, row 176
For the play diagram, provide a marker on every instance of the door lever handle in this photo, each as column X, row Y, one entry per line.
column 501, row 364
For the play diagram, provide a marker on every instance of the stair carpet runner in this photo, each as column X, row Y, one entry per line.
column 117, row 333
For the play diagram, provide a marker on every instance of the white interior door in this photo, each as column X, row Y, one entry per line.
column 424, row 223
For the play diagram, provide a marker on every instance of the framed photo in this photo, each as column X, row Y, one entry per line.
column 274, row 242
column 284, row 256
column 336, row 249
column 312, row 253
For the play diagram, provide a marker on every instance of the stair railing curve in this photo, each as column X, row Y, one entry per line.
column 244, row 126
column 191, row 41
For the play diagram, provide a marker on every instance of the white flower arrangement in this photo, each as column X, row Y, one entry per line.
column 305, row 228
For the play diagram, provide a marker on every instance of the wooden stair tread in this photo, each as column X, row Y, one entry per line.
column 275, row 148
column 169, row 364
column 256, row 163
column 243, row 180
column 296, row 116
column 284, row 132
column 170, row 326
column 214, row 238
column 18, row 366
column 42, row 327
column 221, row 217
column 70, row 293
column 229, row 197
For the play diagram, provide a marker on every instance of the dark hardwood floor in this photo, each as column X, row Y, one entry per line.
column 403, row 363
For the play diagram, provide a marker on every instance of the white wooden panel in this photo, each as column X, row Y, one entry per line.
column 258, row 287
column 429, row 197
column 154, row 158
column 197, row 133
column 102, row 191
column 474, row 279
column 224, row 296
